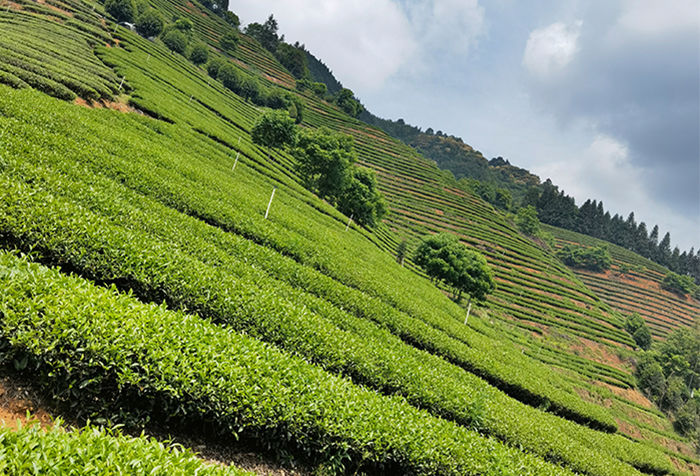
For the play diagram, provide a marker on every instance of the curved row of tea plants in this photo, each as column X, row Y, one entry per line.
column 96, row 451
column 142, row 245
column 112, row 355
column 157, row 172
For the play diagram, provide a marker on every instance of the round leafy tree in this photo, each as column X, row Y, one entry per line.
column 121, row 10
column 229, row 41
column 175, row 41
column 445, row 259
column 199, row 54
column 361, row 199
column 150, row 23
column 274, row 129
column 324, row 161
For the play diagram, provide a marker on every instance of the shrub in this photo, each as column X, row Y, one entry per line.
column 230, row 77
column 679, row 284
column 121, row 10
column 527, row 221
column 175, row 41
column 229, row 41
column 150, row 23
column 214, row 66
column 199, row 54
column 594, row 259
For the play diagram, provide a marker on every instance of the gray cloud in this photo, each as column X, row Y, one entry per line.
column 639, row 83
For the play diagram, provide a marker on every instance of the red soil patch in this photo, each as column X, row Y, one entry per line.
column 54, row 8
column 15, row 402
column 601, row 354
column 117, row 106
column 439, row 212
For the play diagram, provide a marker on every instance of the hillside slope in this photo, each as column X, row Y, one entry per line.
column 355, row 363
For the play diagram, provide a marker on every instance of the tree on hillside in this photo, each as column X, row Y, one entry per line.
column 274, row 130
column 294, row 59
column 361, row 199
column 121, row 10
column 670, row 376
column 199, row 54
column 527, row 221
column 229, row 41
column 175, row 40
column 346, row 102
column 232, row 19
column 638, row 329
column 325, row 164
column 324, row 161
column 679, row 284
column 445, row 259
column 595, row 259
column 266, row 34
column 150, row 23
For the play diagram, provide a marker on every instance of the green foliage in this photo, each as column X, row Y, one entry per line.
column 175, row 40
column 294, row 59
column 688, row 417
column 527, row 221
column 229, row 41
column 361, row 199
column 324, row 162
column 232, row 19
column 445, row 259
column 214, row 65
column 671, row 374
column 266, row 34
column 650, row 376
column 121, row 10
column 594, row 259
column 346, row 102
column 139, row 361
column 199, row 54
column 32, row 449
column 150, row 23
column 274, row 130
column 503, row 199
column 317, row 89
column 638, row 329
column 229, row 76
column 401, row 251
column 184, row 25
column 679, row 284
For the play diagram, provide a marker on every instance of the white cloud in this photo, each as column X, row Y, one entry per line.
column 548, row 50
column 363, row 42
column 447, row 25
column 604, row 172
column 658, row 17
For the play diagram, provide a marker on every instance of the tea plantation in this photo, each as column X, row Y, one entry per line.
column 150, row 280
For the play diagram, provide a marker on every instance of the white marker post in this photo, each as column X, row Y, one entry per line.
column 469, row 308
column 122, row 83
column 349, row 221
column 235, row 162
column 149, row 57
column 268, row 205
column 191, row 98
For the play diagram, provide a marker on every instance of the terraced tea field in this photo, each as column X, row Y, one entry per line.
column 174, row 300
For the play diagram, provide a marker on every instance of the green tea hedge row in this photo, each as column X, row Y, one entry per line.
column 110, row 356
column 142, row 245
column 96, row 451
column 507, row 369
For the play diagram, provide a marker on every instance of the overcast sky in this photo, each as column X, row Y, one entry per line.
column 601, row 96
